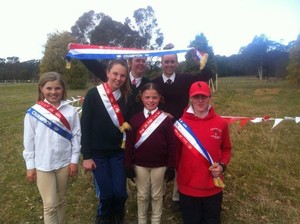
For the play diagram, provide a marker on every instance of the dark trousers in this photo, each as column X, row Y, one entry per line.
column 110, row 183
column 201, row 210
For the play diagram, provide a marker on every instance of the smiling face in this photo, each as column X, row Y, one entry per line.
column 138, row 66
column 169, row 64
column 53, row 92
column 117, row 76
column 150, row 99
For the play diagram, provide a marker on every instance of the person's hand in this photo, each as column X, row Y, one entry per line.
column 130, row 173
column 72, row 169
column 193, row 54
column 31, row 175
column 169, row 46
column 89, row 164
column 216, row 170
column 169, row 174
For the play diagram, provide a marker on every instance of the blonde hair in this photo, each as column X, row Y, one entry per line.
column 50, row 77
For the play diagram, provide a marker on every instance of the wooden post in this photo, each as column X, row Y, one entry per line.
column 216, row 82
column 211, row 84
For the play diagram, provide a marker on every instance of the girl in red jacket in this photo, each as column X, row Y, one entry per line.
column 203, row 154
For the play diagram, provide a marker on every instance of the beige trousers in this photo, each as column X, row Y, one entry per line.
column 52, row 186
column 150, row 188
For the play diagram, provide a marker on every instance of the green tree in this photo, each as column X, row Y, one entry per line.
column 54, row 60
column 146, row 24
column 100, row 29
column 77, row 76
column 112, row 33
column 29, row 70
column 147, row 27
column 255, row 53
column 85, row 25
column 270, row 56
column 13, row 69
column 294, row 63
column 200, row 43
column 276, row 61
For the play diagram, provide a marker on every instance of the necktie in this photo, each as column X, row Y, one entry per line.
column 134, row 83
column 149, row 113
column 169, row 81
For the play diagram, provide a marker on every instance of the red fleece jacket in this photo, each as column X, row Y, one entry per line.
column 193, row 175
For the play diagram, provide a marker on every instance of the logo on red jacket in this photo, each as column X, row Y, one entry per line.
column 216, row 133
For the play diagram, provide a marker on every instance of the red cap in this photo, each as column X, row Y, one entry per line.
column 200, row 88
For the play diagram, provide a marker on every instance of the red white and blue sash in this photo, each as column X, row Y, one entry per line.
column 188, row 138
column 149, row 127
column 36, row 112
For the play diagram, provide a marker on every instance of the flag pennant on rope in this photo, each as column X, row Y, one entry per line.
column 277, row 121
column 244, row 120
column 241, row 120
column 77, row 102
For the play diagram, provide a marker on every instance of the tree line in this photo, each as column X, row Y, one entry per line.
column 262, row 57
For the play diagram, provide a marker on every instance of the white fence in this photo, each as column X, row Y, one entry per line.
column 16, row 82
column 213, row 84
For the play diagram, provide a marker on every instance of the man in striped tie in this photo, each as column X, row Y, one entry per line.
column 137, row 67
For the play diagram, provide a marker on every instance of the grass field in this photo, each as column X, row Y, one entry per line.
column 262, row 180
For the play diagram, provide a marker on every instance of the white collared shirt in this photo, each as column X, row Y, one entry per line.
column 152, row 112
column 191, row 110
column 165, row 78
column 117, row 94
column 137, row 80
column 45, row 149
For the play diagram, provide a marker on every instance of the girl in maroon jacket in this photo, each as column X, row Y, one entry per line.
column 203, row 154
column 150, row 154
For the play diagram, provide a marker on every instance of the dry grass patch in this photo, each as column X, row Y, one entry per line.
column 262, row 180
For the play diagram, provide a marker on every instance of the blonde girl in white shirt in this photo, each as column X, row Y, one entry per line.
column 52, row 145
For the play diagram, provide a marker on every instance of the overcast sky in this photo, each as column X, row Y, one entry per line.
column 227, row 24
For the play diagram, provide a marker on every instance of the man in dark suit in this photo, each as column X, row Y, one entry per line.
column 137, row 67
